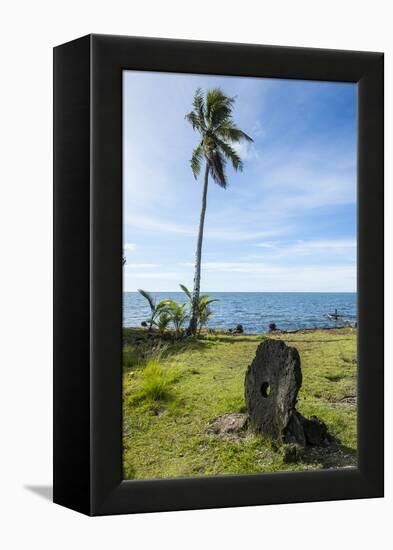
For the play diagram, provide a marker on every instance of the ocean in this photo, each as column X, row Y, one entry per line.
column 256, row 310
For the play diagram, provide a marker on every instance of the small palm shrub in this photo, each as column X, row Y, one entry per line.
column 155, row 309
column 204, row 311
column 177, row 315
column 169, row 312
column 204, row 316
column 163, row 321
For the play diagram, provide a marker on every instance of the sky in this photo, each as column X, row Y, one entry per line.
column 287, row 223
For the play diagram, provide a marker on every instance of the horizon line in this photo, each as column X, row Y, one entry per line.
column 259, row 291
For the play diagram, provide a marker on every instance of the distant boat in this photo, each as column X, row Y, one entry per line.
column 334, row 315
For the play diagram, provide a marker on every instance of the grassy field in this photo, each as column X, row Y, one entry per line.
column 170, row 395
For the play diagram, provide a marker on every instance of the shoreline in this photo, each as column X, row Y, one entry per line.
column 312, row 329
column 221, row 331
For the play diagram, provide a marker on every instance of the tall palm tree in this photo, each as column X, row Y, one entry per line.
column 211, row 117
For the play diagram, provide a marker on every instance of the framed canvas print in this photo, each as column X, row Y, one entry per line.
column 218, row 275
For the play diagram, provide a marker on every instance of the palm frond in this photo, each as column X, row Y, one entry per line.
column 212, row 118
column 206, row 300
column 163, row 321
column 161, row 306
column 149, row 297
column 199, row 106
column 204, row 318
column 231, row 155
column 169, row 303
column 186, row 291
column 221, row 114
column 232, row 133
column 217, row 102
column 193, row 119
column 196, row 159
column 211, row 301
column 217, row 165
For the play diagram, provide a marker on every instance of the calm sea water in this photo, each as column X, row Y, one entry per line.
column 255, row 310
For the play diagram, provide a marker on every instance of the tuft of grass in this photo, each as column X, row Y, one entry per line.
column 138, row 356
column 156, row 381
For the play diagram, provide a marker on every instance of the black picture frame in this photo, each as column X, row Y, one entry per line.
column 88, row 274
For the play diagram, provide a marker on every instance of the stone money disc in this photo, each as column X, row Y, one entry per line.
column 271, row 385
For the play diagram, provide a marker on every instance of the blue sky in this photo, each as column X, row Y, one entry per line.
column 286, row 223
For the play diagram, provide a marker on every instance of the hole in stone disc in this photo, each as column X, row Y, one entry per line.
column 265, row 389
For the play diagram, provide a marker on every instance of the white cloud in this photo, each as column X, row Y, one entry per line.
column 159, row 225
column 231, row 235
column 245, row 150
column 129, row 246
column 308, row 179
column 269, row 277
column 258, row 131
column 155, row 275
column 239, row 267
column 141, row 266
column 311, row 247
column 266, row 245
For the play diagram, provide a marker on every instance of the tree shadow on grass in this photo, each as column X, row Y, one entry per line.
column 234, row 339
column 335, row 455
column 142, row 339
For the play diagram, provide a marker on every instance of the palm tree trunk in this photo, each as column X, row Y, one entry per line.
column 192, row 327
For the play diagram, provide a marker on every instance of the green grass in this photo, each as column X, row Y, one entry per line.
column 171, row 391
column 155, row 381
